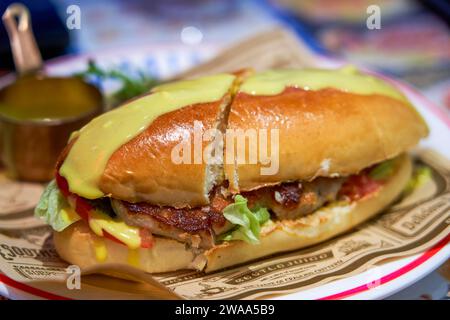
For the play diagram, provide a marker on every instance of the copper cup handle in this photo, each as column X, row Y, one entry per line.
column 27, row 57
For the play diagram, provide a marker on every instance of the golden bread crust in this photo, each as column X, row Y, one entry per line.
column 142, row 169
column 325, row 133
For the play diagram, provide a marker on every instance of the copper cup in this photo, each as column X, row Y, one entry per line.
column 30, row 143
column 38, row 113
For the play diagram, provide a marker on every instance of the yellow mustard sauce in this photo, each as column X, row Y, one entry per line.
column 44, row 99
column 347, row 79
column 98, row 140
column 99, row 222
column 101, row 253
column 69, row 215
column 133, row 258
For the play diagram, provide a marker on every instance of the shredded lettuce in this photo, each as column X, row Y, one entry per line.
column 248, row 222
column 419, row 177
column 383, row 170
column 54, row 209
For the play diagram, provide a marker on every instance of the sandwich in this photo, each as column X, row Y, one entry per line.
column 213, row 172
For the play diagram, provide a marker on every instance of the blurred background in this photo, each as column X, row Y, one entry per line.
column 414, row 34
column 413, row 42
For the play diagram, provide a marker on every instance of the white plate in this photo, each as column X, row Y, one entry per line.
column 376, row 283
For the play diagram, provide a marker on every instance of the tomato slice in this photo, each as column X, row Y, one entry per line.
column 146, row 238
column 359, row 186
column 83, row 208
column 109, row 236
column 62, row 184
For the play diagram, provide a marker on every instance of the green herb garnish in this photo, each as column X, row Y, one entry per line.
column 130, row 88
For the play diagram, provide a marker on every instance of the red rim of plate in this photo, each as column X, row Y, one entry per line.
column 393, row 275
column 29, row 289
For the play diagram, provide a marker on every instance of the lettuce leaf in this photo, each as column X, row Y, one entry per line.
column 248, row 222
column 419, row 177
column 54, row 209
column 383, row 170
